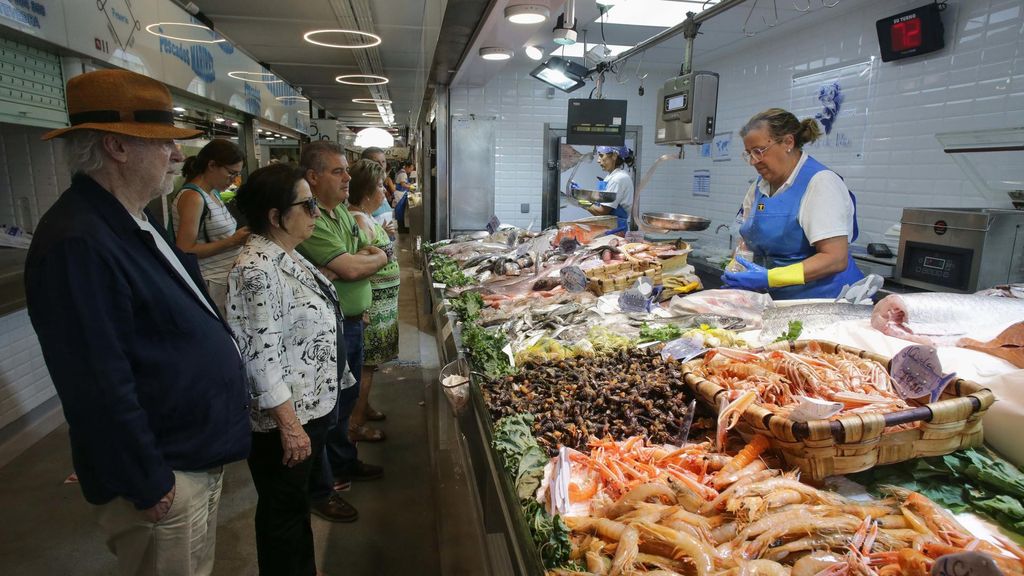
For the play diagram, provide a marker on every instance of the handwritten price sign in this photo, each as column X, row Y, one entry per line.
column 917, row 372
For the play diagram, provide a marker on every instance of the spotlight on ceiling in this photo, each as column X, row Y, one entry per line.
column 533, row 52
column 561, row 73
column 178, row 109
column 526, row 13
column 562, row 34
column 374, row 137
column 495, row 53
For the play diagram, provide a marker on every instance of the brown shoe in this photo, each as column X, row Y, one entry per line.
column 335, row 509
column 364, row 433
column 374, row 415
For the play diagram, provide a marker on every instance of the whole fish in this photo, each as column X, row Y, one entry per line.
column 940, row 319
column 813, row 316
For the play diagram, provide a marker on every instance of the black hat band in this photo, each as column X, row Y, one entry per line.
column 110, row 116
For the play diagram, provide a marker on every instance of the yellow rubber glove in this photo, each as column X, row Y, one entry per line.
column 791, row 275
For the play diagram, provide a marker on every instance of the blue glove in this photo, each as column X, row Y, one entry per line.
column 754, row 278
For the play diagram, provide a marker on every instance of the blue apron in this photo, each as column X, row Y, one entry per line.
column 621, row 225
column 771, row 233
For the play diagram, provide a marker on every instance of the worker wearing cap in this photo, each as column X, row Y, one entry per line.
column 616, row 161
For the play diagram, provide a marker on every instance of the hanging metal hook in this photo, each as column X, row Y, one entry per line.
column 747, row 21
column 775, row 4
column 799, row 9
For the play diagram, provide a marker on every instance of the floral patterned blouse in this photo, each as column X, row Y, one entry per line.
column 283, row 316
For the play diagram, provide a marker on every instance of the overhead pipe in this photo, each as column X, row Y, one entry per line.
column 676, row 30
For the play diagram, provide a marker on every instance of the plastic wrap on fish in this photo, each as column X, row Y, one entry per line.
column 749, row 306
column 942, row 319
column 812, row 317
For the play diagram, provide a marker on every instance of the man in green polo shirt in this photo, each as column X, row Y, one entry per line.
column 344, row 255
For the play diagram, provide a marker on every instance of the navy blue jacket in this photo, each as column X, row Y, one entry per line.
column 150, row 380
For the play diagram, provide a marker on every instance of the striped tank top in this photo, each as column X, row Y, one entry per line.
column 218, row 224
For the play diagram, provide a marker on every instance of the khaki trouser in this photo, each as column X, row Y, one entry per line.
column 181, row 543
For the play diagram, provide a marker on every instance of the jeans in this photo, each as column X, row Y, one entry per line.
column 284, row 536
column 339, row 455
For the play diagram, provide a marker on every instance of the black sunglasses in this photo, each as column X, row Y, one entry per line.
column 309, row 203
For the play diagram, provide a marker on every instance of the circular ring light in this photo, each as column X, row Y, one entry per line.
column 255, row 77
column 373, row 80
column 533, row 53
column 371, row 101
column 152, row 30
column 373, row 39
column 495, row 53
column 291, row 99
column 526, row 13
column 372, row 114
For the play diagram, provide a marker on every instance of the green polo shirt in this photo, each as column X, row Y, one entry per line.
column 337, row 233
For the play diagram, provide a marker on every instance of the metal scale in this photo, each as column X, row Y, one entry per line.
column 688, row 105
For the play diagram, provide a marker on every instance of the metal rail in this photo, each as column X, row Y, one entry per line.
column 676, row 30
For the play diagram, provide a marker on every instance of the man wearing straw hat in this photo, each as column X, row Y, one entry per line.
column 150, row 380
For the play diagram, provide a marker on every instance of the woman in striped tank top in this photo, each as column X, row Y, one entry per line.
column 201, row 222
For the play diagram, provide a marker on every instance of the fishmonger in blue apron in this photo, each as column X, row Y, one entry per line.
column 617, row 161
column 798, row 218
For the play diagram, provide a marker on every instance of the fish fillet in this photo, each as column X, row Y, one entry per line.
column 941, row 319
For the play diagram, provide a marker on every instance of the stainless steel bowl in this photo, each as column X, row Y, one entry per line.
column 593, row 195
column 670, row 221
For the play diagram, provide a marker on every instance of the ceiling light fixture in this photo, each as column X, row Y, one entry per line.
column 561, row 73
column 526, row 13
column 371, row 101
column 533, row 52
column 256, row 77
column 566, row 34
column 178, row 109
column 218, row 119
column 495, row 53
column 370, row 137
column 292, row 99
column 158, row 29
column 372, row 114
column 373, row 38
column 373, row 79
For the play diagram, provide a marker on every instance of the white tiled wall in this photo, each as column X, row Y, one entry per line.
column 976, row 82
column 34, row 170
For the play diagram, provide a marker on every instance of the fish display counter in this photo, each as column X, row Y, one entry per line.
column 619, row 419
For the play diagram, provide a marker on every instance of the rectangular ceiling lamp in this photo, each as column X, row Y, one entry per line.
column 561, row 73
column 654, row 13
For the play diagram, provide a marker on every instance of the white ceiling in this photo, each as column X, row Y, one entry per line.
column 726, row 32
column 271, row 32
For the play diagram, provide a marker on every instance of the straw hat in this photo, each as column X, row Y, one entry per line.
column 122, row 102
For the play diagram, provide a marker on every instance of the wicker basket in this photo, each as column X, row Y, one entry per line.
column 856, row 442
column 620, row 276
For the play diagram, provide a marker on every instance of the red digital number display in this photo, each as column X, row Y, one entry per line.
column 906, row 35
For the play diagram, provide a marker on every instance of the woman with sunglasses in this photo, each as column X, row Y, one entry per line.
column 285, row 316
column 200, row 222
column 798, row 217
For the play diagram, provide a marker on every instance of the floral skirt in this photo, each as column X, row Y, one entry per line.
column 380, row 336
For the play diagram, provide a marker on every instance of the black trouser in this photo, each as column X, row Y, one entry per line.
column 284, row 537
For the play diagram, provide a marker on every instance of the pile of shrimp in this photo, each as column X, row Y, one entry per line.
column 761, row 521
column 778, row 377
column 614, row 469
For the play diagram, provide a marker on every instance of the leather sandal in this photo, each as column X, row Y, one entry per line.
column 365, row 434
column 374, row 415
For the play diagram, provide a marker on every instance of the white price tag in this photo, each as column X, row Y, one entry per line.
column 508, row 352
column 440, row 286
